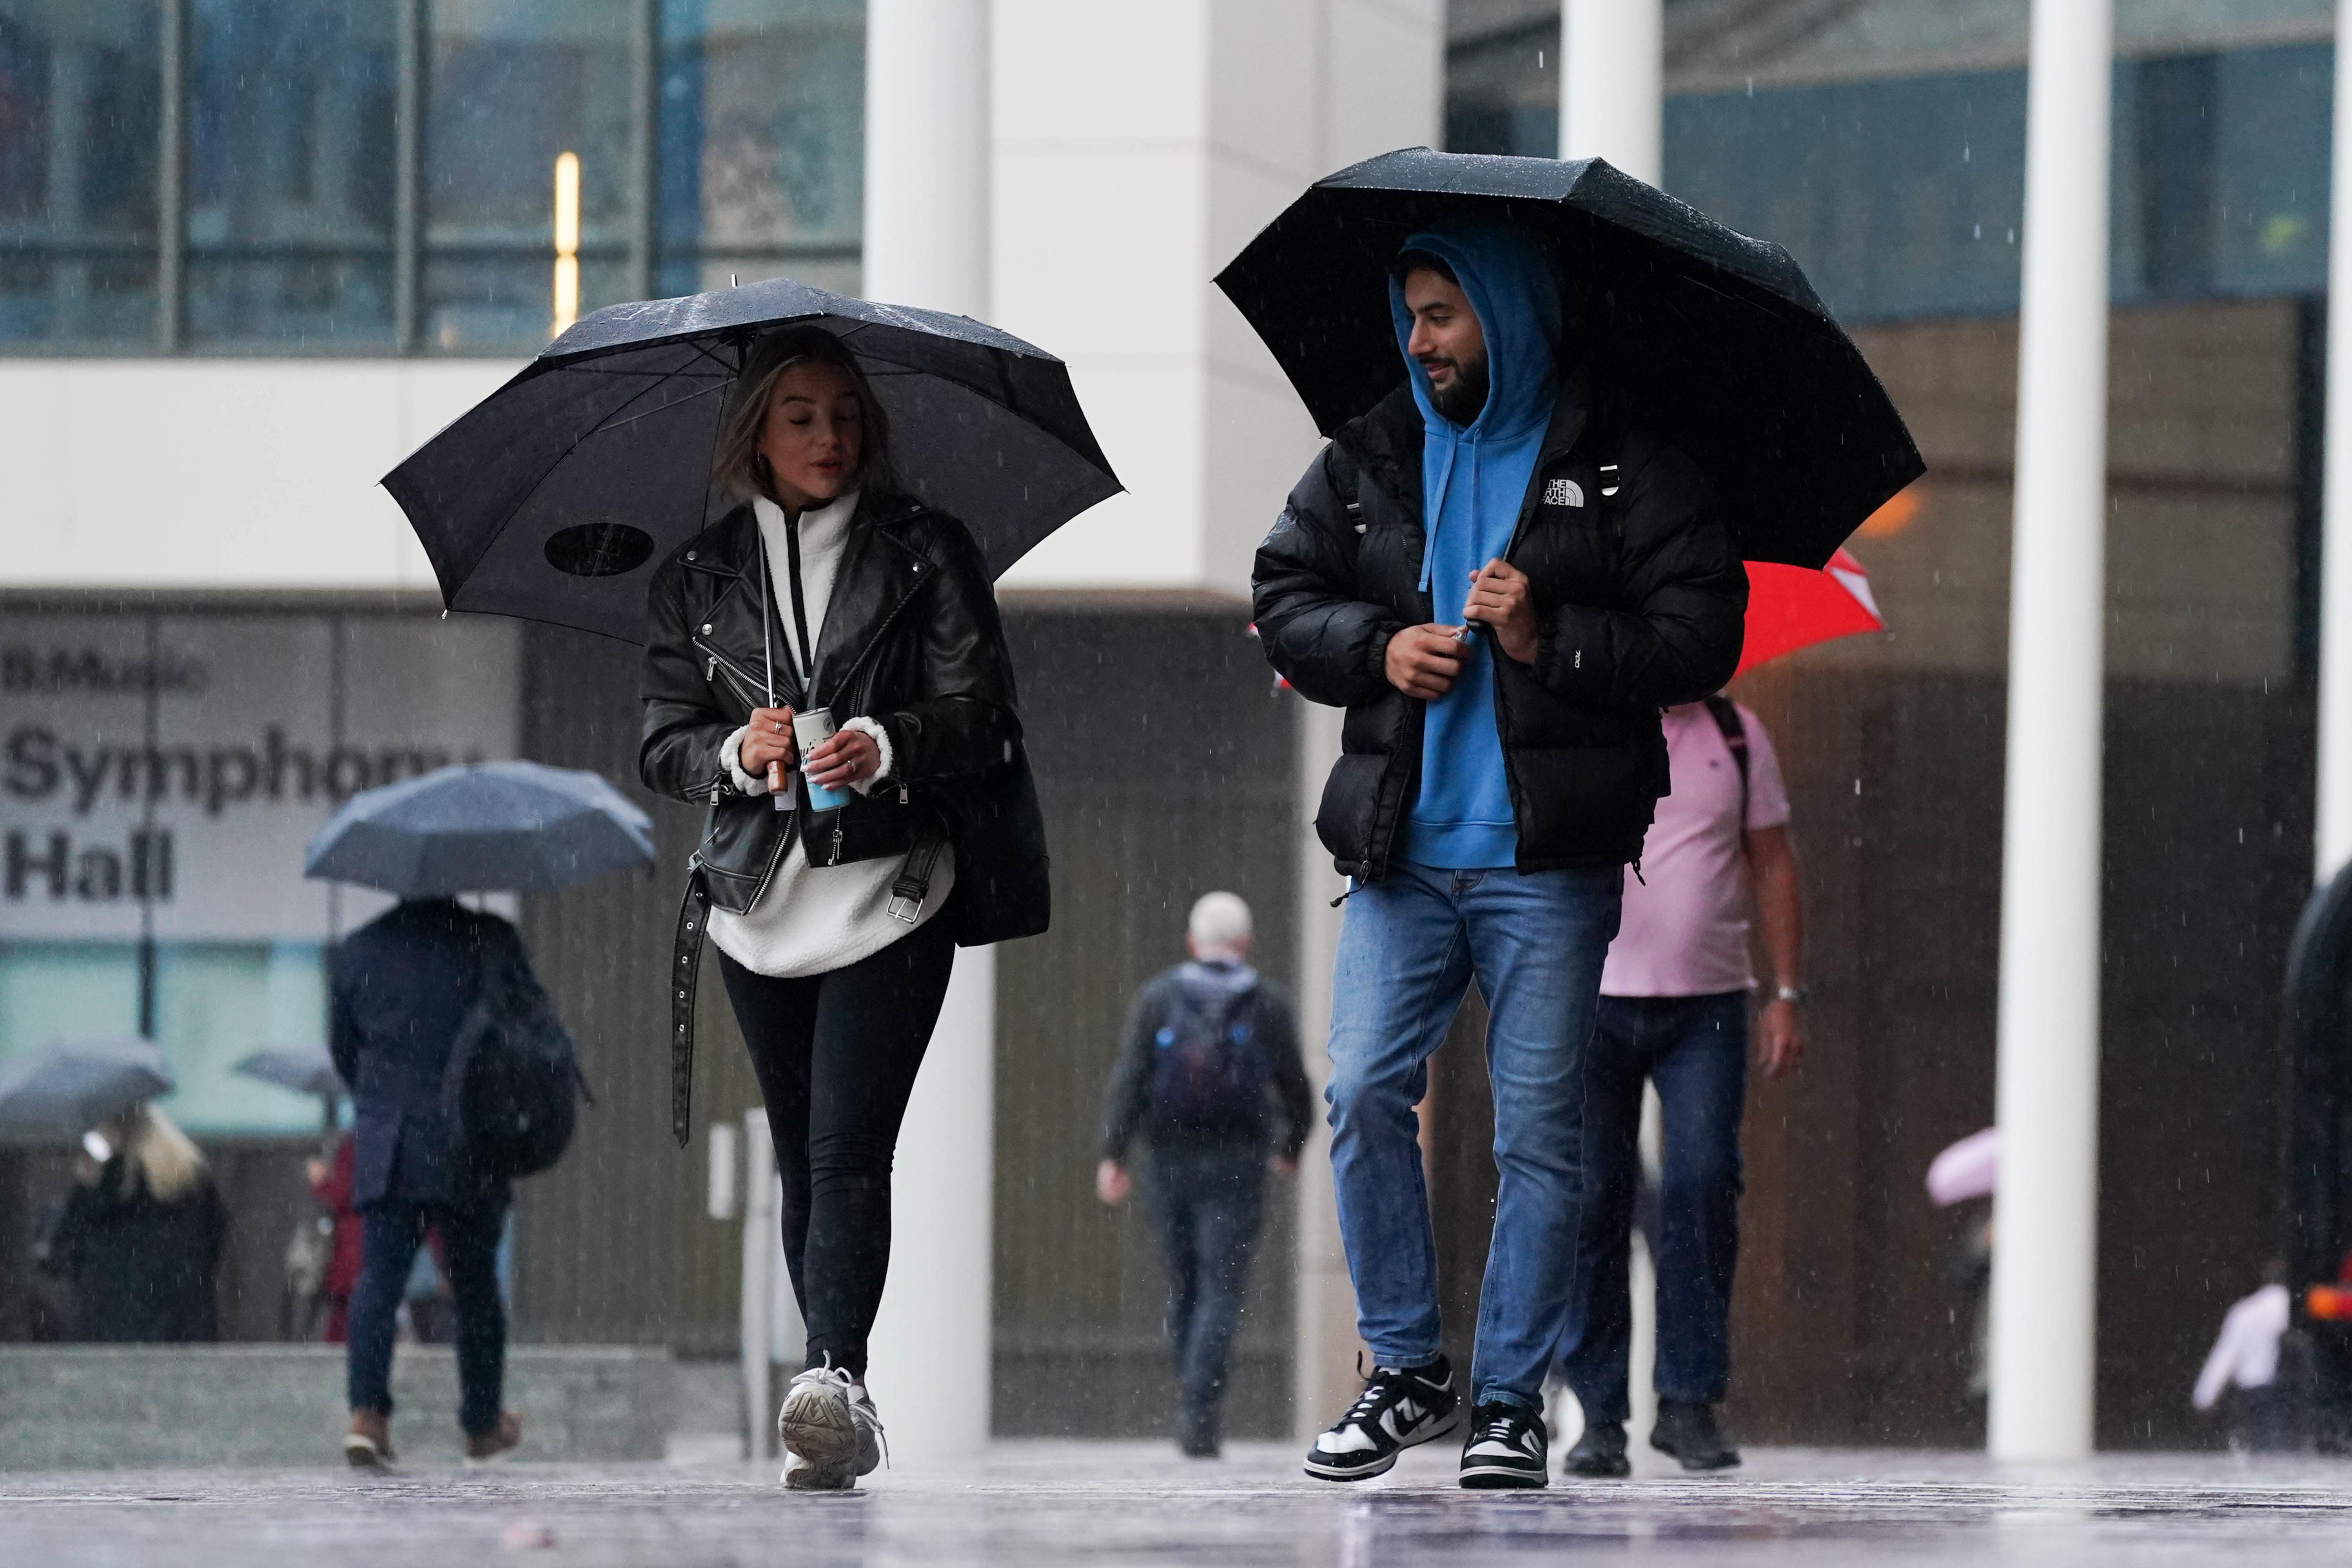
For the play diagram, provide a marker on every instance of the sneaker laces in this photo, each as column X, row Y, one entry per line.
column 1376, row 1390
column 1498, row 1427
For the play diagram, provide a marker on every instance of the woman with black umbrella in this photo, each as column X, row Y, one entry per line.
column 825, row 667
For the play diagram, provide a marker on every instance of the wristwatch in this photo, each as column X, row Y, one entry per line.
column 1789, row 994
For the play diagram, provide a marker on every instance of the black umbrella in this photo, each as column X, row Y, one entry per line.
column 555, row 497
column 1717, row 339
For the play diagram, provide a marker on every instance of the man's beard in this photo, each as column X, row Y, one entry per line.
column 1461, row 401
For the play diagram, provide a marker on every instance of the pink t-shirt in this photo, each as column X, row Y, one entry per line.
column 1684, row 931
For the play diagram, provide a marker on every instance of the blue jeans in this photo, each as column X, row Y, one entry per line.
column 1694, row 1049
column 1205, row 1198
column 391, row 1229
column 1409, row 948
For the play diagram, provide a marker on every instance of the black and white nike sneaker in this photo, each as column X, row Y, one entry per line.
column 1506, row 1447
column 1400, row 1407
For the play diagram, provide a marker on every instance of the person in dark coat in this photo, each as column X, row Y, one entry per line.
column 139, row 1238
column 1210, row 1064
column 1502, row 577
column 403, row 984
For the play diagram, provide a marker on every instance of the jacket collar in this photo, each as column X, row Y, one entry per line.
column 880, row 569
column 1390, row 436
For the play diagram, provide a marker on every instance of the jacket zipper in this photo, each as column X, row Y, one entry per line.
column 748, row 689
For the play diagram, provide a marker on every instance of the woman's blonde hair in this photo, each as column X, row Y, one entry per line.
column 155, row 1154
column 735, row 460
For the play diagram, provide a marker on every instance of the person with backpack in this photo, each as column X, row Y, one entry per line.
column 1209, row 1076
column 422, row 994
column 1675, row 996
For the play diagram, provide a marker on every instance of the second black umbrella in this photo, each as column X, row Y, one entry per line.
column 1716, row 339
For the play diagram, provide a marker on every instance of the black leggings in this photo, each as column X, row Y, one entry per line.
column 835, row 1055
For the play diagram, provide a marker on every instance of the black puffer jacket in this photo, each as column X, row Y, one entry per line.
column 1639, row 599
column 912, row 639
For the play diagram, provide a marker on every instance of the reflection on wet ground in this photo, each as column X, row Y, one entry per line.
column 1131, row 1504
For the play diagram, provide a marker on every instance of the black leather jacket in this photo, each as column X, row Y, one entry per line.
column 1639, row 599
column 912, row 639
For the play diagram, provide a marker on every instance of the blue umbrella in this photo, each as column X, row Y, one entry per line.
column 66, row 1089
column 480, row 826
column 305, row 1069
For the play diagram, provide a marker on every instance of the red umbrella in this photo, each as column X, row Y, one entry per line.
column 1790, row 608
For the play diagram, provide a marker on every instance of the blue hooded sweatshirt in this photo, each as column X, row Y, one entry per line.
column 1473, row 479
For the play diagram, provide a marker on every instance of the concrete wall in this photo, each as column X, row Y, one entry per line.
column 218, row 473
column 1138, row 149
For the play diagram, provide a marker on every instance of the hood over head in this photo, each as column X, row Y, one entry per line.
column 1509, row 278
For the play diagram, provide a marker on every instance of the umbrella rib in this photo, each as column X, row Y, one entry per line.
column 650, row 413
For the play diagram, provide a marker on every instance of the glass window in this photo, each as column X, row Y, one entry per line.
column 290, row 172
column 516, row 84
column 763, row 140
column 215, row 1003
column 79, row 85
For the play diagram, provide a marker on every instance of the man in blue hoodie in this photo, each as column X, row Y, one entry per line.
column 1503, row 579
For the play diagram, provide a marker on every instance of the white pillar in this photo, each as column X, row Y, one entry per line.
column 927, row 154
column 929, row 1355
column 1325, row 1343
column 1612, row 83
column 2045, row 1237
column 2334, row 812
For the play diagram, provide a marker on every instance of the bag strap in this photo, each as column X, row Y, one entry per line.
column 686, row 968
column 1735, row 735
column 913, row 888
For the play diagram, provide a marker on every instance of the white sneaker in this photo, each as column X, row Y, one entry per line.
column 808, row 1475
column 872, row 1446
column 828, row 1425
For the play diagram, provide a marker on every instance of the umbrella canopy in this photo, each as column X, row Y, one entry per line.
column 1715, row 341
column 1968, row 1168
column 1790, row 608
column 514, row 826
column 556, row 497
column 64, row 1090
column 305, row 1069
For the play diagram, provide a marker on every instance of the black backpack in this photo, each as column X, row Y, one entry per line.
column 512, row 1087
column 1207, row 1074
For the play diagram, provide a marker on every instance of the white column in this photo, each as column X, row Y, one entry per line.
column 1612, row 83
column 1323, row 1364
column 2045, row 1243
column 927, row 154
column 2333, row 814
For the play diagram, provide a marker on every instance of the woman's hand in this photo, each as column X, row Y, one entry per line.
column 767, row 739
column 849, row 757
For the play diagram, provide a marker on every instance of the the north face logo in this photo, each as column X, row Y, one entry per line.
column 1564, row 492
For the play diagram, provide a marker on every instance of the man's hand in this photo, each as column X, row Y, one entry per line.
column 1423, row 661
column 1779, row 1037
column 1499, row 599
column 768, row 737
column 1282, row 1166
column 1111, row 1184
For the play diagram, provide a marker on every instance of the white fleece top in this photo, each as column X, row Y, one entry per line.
column 812, row 919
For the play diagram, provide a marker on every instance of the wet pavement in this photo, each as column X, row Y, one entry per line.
column 1133, row 1504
